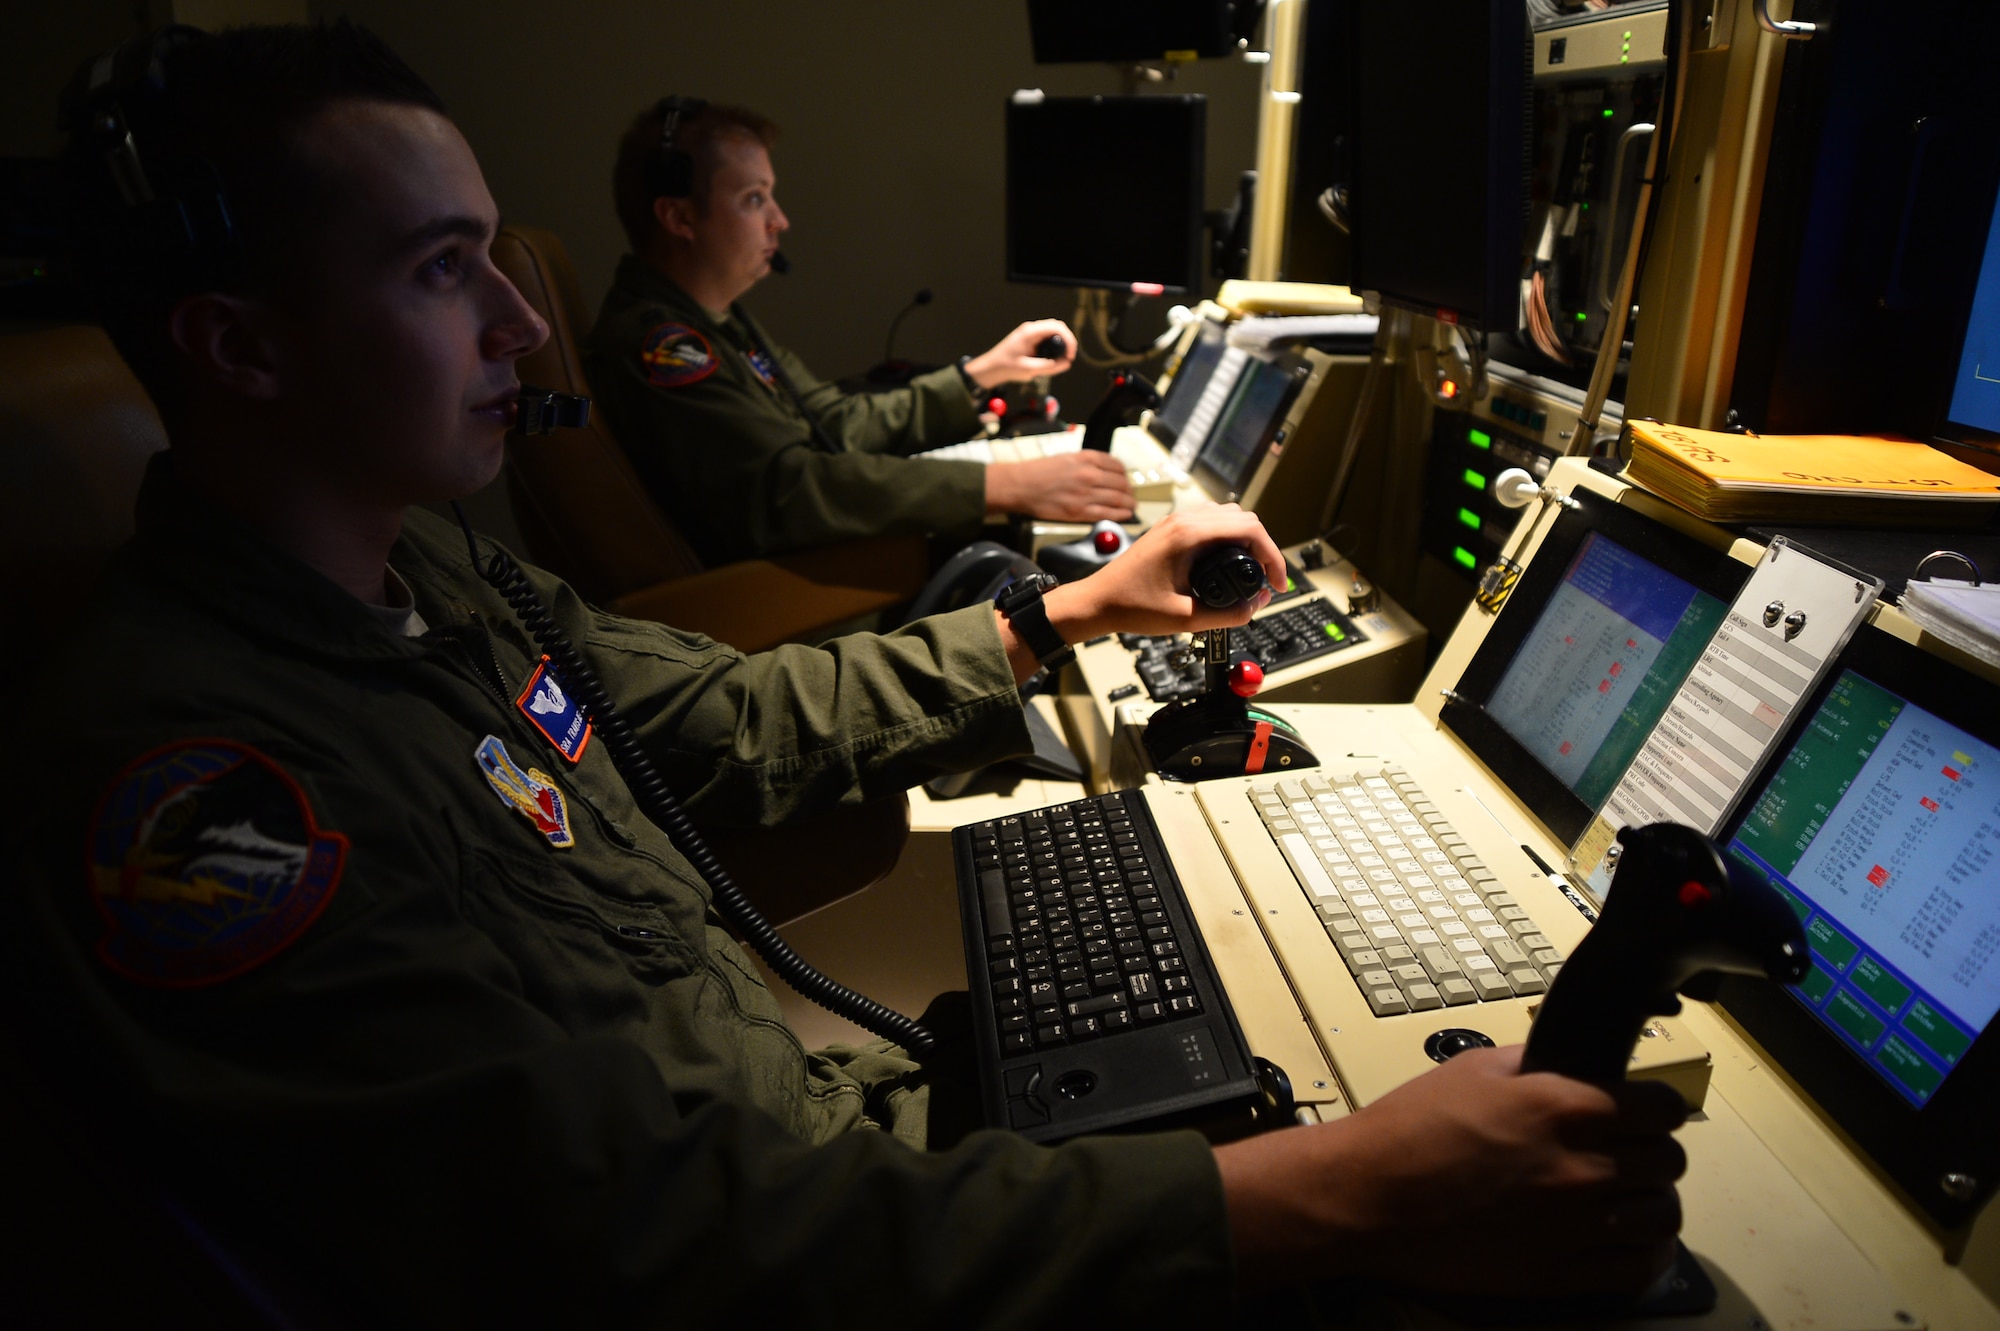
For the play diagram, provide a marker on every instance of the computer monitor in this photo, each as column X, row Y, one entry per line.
column 1106, row 191
column 1191, row 380
column 1972, row 409
column 1878, row 819
column 1438, row 155
column 1257, row 407
column 1608, row 620
column 1066, row 31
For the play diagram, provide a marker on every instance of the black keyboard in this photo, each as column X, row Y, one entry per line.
column 1095, row 1007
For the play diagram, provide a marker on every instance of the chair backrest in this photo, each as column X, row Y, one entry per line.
column 582, row 509
column 75, row 432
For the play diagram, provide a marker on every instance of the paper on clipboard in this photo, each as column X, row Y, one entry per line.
column 1785, row 627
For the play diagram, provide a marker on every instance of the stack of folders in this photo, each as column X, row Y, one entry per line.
column 1860, row 480
column 1964, row 614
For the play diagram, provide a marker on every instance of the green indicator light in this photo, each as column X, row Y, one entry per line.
column 1464, row 556
column 1628, row 36
column 1474, row 479
column 1624, row 59
column 1581, row 316
column 1469, row 518
column 1609, row 112
column 1479, row 438
column 1334, row 631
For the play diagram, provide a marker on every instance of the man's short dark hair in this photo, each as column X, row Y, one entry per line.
column 223, row 114
column 700, row 137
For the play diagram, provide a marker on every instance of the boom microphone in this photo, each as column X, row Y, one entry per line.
column 779, row 263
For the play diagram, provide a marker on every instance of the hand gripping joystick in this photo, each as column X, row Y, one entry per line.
column 1128, row 393
column 1218, row 732
column 1679, row 916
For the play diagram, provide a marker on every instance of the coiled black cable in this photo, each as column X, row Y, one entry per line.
column 658, row 803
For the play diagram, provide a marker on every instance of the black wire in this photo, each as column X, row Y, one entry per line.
column 659, row 804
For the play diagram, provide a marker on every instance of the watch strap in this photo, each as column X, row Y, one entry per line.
column 1022, row 604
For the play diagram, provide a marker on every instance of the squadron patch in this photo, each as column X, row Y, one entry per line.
column 530, row 793
column 675, row 355
column 763, row 367
column 205, row 862
column 550, row 708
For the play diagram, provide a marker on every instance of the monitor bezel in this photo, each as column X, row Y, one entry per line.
column 1464, row 713
column 1952, row 1133
column 1193, row 272
column 1297, row 371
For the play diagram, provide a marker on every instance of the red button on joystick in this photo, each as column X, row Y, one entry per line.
column 1107, row 541
column 1245, row 678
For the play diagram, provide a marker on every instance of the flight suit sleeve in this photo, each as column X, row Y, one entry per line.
column 931, row 410
column 739, row 470
column 752, row 740
column 382, row 1119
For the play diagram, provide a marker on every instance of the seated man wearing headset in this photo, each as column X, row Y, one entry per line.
column 335, row 923
column 746, row 450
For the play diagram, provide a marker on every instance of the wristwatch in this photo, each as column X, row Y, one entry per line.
column 1021, row 603
column 965, row 376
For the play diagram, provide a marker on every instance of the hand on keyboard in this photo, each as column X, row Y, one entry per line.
column 1066, row 487
column 1472, row 1179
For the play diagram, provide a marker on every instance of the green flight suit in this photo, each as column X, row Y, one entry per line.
column 730, row 458
column 448, row 1071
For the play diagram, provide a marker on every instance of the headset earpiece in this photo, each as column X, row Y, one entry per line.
column 170, row 219
column 670, row 170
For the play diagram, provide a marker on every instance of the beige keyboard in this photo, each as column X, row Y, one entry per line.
column 1419, row 919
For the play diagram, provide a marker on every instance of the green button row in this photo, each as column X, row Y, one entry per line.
column 1830, row 943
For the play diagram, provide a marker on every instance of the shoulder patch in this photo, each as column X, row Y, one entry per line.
column 205, row 862
column 675, row 355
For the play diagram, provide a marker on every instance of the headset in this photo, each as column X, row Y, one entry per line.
column 160, row 222
column 670, row 170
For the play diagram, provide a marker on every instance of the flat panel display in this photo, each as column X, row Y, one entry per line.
column 1190, row 381
column 1587, row 655
column 1975, row 390
column 1264, row 394
column 1878, row 819
column 1106, row 191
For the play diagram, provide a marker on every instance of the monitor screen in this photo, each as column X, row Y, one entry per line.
column 1064, row 31
column 1609, row 618
column 1975, row 391
column 1881, row 826
column 1877, row 817
column 1190, row 381
column 1601, row 662
column 1106, row 191
column 1264, row 394
column 1439, row 149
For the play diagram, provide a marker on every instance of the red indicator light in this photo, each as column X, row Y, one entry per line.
column 1929, row 803
column 1951, row 774
column 1693, row 894
column 1148, row 289
column 1878, row 875
column 1448, row 390
column 1604, row 686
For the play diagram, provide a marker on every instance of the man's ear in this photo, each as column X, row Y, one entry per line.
column 675, row 216
column 221, row 340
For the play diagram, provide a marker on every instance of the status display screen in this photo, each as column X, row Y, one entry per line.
column 1881, row 828
column 1601, row 665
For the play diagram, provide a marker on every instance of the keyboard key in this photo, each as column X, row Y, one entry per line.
column 1183, row 1005
column 1491, row 985
column 1508, row 953
column 1525, row 981
column 1377, row 980
column 1423, row 997
column 1456, row 991
column 1387, row 1002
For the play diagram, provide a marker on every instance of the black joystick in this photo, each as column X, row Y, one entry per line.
column 1052, row 347
column 1129, row 394
column 1219, row 732
column 1679, row 916
column 541, row 410
column 1225, row 575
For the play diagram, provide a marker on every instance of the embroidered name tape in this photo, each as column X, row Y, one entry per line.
column 551, row 709
column 205, row 862
column 675, row 355
column 530, row 793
